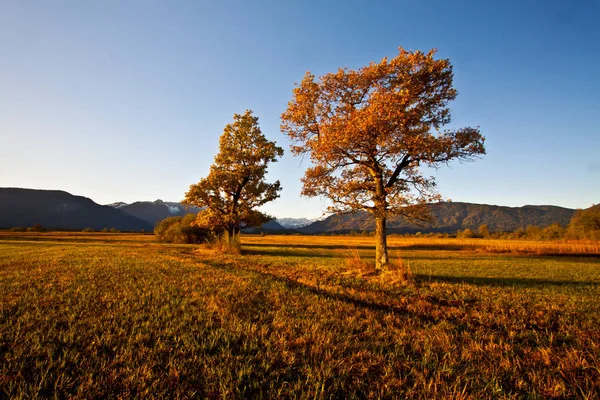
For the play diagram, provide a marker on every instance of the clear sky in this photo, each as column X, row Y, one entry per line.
column 125, row 100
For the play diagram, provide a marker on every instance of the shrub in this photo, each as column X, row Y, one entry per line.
column 533, row 232
column 484, row 231
column 354, row 262
column 554, row 231
column 36, row 228
column 182, row 230
column 518, row 234
column 88, row 230
column 225, row 244
column 585, row 224
column 18, row 229
column 466, row 234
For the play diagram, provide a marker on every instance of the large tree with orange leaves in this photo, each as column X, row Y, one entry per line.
column 235, row 185
column 369, row 131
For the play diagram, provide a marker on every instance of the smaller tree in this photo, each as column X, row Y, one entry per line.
column 235, row 185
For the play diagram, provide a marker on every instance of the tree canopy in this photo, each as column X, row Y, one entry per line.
column 235, row 185
column 369, row 131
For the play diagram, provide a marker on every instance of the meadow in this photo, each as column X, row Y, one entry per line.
column 99, row 315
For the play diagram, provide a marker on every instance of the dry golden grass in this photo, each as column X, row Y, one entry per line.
column 94, row 316
column 539, row 247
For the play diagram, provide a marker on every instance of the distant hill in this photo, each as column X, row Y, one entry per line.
column 61, row 210
column 449, row 217
column 155, row 211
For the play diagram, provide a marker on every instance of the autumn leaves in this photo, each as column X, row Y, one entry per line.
column 367, row 132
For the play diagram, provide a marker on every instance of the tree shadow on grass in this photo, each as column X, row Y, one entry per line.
column 309, row 246
column 294, row 285
column 380, row 307
column 284, row 253
column 486, row 281
column 359, row 247
column 425, row 317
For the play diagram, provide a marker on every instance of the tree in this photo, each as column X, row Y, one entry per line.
column 368, row 132
column 236, row 184
column 585, row 224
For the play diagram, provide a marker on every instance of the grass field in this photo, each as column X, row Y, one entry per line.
column 119, row 315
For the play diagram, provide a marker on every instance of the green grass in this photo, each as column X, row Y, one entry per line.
column 98, row 316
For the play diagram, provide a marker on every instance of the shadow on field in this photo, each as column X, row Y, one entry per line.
column 440, row 247
column 254, row 248
column 348, row 299
column 308, row 246
column 482, row 281
column 294, row 285
column 284, row 253
column 449, row 247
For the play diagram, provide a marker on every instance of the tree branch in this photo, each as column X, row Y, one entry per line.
column 401, row 165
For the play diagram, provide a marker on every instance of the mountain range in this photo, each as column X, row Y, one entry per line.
column 450, row 217
column 59, row 209
column 154, row 211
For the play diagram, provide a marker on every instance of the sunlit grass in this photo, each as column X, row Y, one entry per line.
column 97, row 315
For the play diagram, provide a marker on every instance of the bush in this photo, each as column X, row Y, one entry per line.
column 484, row 231
column 88, row 230
column 36, row 228
column 182, row 230
column 466, row 234
column 18, row 229
column 585, row 224
column 518, row 234
column 225, row 244
column 553, row 232
column 533, row 232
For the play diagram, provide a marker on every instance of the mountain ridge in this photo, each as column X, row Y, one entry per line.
column 57, row 209
column 154, row 211
column 60, row 209
column 450, row 217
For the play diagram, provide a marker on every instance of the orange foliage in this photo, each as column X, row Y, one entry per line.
column 236, row 185
column 368, row 132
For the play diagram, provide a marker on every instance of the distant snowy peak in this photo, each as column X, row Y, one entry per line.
column 294, row 223
column 174, row 208
column 154, row 211
column 118, row 204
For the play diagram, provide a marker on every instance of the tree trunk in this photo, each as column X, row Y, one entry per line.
column 381, row 250
column 230, row 233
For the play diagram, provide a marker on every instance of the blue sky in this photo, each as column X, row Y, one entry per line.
column 126, row 100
